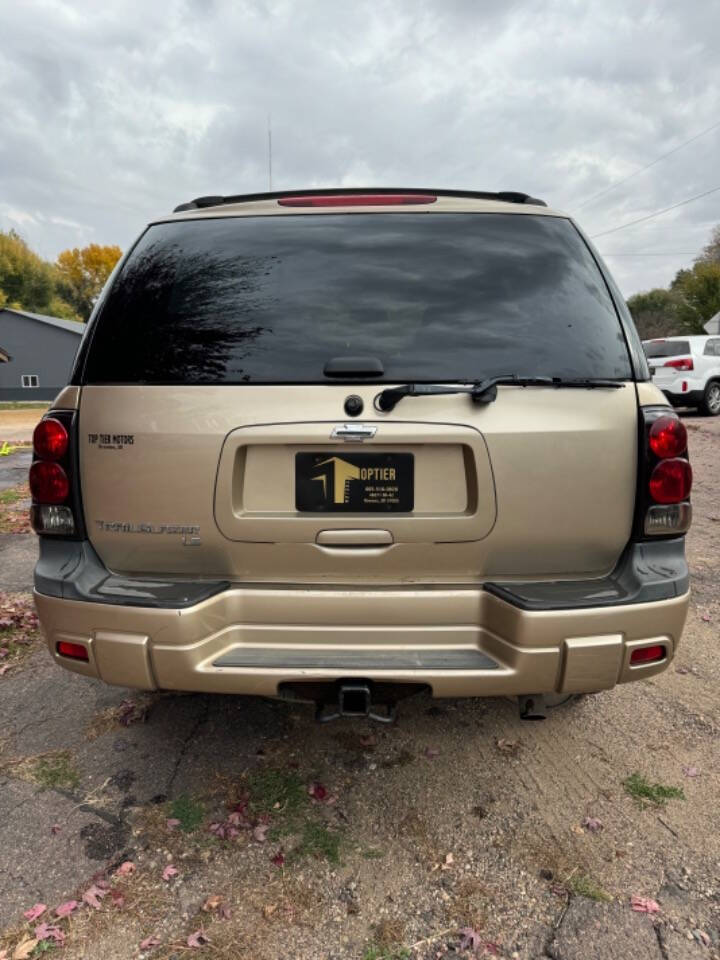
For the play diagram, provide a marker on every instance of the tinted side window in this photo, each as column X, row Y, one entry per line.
column 666, row 348
column 433, row 296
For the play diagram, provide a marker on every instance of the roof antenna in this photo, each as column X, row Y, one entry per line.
column 269, row 128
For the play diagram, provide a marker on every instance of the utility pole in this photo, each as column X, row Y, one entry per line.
column 269, row 129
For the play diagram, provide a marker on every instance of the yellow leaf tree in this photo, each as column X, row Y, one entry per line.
column 82, row 274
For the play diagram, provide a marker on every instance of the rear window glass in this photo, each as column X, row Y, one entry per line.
column 666, row 348
column 432, row 296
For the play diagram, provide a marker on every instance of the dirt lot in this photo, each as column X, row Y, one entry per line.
column 17, row 425
column 458, row 832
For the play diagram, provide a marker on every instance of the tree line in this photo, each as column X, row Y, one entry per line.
column 67, row 288
column 684, row 307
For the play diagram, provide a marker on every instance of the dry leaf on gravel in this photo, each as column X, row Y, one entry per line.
column 47, row 931
column 260, row 832
column 4, row 669
column 592, row 824
column 125, row 869
column 55, row 829
column 644, row 905
column 172, row 823
column 268, row 910
column 24, row 949
column 212, row 903
column 65, row 909
column 691, row 771
column 278, row 859
column 198, row 939
column 34, row 912
column 149, row 942
column 508, row 746
column 469, row 939
column 93, row 895
column 318, row 792
column 431, row 753
column 118, row 898
column 169, row 872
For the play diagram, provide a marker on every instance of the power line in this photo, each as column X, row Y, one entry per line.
column 664, row 156
column 658, row 213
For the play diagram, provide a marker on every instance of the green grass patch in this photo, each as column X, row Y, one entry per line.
column 318, row 841
column 189, row 812
column 374, row 952
column 277, row 792
column 56, row 771
column 647, row 793
column 373, row 854
column 12, row 495
column 583, row 886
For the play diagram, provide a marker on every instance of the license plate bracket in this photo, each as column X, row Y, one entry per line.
column 354, row 482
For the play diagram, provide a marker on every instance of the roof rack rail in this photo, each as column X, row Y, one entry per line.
column 507, row 196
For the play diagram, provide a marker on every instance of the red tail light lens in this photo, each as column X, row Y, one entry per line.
column 685, row 364
column 671, row 481
column 668, row 437
column 358, row 200
column 648, row 654
column 50, row 439
column 76, row 651
column 48, row 482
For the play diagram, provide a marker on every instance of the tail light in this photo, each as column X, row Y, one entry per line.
column 684, row 364
column 75, row 651
column 56, row 508
column 664, row 476
column 651, row 654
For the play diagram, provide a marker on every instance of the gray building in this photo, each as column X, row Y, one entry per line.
column 40, row 351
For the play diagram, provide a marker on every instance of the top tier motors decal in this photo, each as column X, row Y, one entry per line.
column 111, row 441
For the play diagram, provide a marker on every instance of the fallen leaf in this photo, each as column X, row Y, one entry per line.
column 93, row 895
column 47, row 931
column 4, row 669
column 431, row 753
column 317, row 791
column 691, row 771
column 172, row 823
column 508, row 746
column 212, row 903
column 706, row 618
column 197, row 939
column 149, row 942
column 169, row 872
column 34, row 912
column 25, row 948
column 55, row 829
column 268, row 910
column 593, row 824
column 224, row 912
column 118, row 898
column 278, row 859
column 125, row 869
column 491, row 948
column 469, row 939
column 448, row 862
column 65, row 909
column 644, row 905
column 260, row 832
column 368, row 740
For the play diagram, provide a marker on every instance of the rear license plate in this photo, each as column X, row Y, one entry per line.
column 354, row 482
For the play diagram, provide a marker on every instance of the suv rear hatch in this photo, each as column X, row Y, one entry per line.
column 668, row 360
column 214, row 437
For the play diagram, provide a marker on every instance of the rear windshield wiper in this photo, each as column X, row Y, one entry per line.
column 485, row 391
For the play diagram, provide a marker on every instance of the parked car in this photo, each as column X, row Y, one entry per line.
column 346, row 445
column 687, row 370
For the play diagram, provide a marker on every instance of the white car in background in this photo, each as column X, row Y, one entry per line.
column 687, row 370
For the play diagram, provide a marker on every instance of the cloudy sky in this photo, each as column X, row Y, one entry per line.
column 113, row 112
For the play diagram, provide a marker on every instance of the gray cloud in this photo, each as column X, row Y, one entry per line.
column 113, row 114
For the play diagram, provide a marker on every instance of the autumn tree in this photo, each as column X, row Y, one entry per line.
column 26, row 280
column 656, row 313
column 82, row 274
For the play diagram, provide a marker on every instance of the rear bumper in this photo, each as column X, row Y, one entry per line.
column 459, row 641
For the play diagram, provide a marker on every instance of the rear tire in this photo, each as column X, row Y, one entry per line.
column 710, row 405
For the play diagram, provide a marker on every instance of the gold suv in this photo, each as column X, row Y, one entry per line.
column 344, row 445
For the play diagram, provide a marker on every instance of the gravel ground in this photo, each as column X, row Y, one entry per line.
column 460, row 816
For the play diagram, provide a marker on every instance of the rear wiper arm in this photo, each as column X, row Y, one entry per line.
column 484, row 391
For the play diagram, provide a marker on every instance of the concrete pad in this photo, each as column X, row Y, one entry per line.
column 604, row 931
column 18, row 556
column 14, row 469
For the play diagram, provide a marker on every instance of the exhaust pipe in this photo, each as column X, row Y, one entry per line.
column 532, row 706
